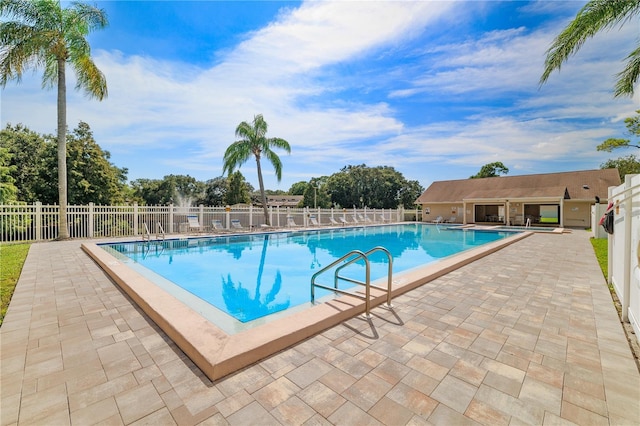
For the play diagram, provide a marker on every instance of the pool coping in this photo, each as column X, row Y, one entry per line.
column 219, row 354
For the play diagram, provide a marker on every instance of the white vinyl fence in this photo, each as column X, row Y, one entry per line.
column 624, row 248
column 37, row 222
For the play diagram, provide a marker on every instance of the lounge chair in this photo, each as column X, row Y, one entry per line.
column 333, row 221
column 382, row 218
column 235, row 223
column 438, row 219
column 343, row 221
column 217, row 225
column 355, row 219
column 363, row 218
column 452, row 219
column 194, row 223
column 313, row 220
column 291, row 222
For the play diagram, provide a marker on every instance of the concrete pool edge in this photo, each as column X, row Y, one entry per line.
column 219, row 354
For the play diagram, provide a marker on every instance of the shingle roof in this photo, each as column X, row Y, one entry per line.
column 581, row 185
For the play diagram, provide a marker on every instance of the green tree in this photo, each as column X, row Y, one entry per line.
column 376, row 187
column 215, row 191
column 254, row 142
column 92, row 177
column 491, row 170
column 147, row 191
column 43, row 34
column 8, row 190
column 181, row 190
column 595, row 16
column 628, row 165
column 238, row 191
column 315, row 193
column 28, row 158
column 633, row 128
column 298, row 188
column 410, row 193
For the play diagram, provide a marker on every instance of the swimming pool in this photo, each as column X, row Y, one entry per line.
column 252, row 276
column 218, row 351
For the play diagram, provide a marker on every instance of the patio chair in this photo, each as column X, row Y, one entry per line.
column 333, row 221
column 438, row 219
column 355, row 219
column 343, row 221
column 291, row 222
column 235, row 223
column 217, row 225
column 382, row 218
column 194, row 223
column 313, row 220
column 452, row 219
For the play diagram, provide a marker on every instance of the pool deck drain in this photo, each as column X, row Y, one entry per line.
column 528, row 334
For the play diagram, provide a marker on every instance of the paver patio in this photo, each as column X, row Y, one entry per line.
column 527, row 335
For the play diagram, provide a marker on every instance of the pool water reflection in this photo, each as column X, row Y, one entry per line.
column 254, row 275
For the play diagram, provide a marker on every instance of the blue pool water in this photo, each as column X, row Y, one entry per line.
column 253, row 275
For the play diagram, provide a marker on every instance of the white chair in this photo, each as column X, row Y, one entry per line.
column 194, row 223
column 291, row 222
column 217, row 224
column 438, row 219
column 235, row 223
column 313, row 220
column 333, row 221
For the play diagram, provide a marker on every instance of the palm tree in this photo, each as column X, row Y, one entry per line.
column 595, row 16
column 254, row 142
column 44, row 34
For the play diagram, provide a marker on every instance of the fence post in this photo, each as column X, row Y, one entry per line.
column 91, row 213
column 250, row 216
column 271, row 215
column 171, row 218
column 227, row 211
column 135, row 219
column 201, row 214
column 38, row 221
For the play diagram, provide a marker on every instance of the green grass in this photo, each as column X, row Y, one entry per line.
column 601, row 248
column 12, row 258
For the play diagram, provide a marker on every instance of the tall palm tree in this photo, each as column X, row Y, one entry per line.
column 595, row 16
column 254, row 142
column 43, row 34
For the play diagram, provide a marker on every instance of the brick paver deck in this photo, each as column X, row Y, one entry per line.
column 527, row 335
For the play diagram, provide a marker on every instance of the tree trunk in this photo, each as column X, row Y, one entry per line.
column 63, row 230
column 262, row 194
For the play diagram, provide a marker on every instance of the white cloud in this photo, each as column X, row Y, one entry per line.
column 284, row 71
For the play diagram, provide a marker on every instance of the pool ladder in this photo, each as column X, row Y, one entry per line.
column 348, row 259
column 146, row 235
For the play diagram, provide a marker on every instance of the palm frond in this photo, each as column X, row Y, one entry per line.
column 236, row 155
column 275, row 162
column 94, row 17
column 629, row 76
column 90, row 78
column 244, row 130
column 594, row 17
column 280, row 143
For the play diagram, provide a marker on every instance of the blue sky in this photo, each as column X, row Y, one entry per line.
column 433, row 89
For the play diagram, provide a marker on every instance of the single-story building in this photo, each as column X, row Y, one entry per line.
column 557, row 199
column 284, row 200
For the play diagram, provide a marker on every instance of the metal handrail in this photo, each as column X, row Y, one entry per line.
column 355, row 256
column 146, row 235
column 159, row 231
column 389, row 271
